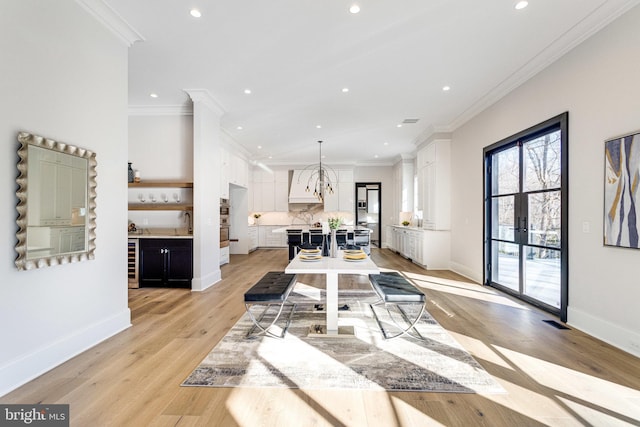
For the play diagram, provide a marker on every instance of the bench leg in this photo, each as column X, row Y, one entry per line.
column 403, row 330
column 265, row 330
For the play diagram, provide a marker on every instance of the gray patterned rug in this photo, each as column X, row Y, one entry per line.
column 364, row 361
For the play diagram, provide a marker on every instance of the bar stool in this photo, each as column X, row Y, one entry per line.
column 361, row 237
column 317, row 238
column 294, row 241
column 341, row 237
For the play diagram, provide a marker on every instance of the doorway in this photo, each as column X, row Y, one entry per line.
column 526, row 214
column 369, row 208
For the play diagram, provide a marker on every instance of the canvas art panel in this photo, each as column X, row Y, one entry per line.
column 622, row 179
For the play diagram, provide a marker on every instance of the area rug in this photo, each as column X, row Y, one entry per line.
column 363, row 361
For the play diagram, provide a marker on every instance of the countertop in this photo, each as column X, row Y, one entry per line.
column 161, row 233
column 305, row 228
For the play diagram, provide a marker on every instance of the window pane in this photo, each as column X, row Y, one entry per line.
column 542, row 275
column 504, row 264
column 502, row 219
column 542, row 162
column 505, row 168
column 544, row 218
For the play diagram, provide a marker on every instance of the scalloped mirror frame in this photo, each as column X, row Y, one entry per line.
column 22, row 262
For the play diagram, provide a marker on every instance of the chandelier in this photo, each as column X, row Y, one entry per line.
column 319, row 178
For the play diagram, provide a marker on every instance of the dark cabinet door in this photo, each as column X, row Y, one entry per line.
column 166, row 262
column 179, row 264
column 152, row 262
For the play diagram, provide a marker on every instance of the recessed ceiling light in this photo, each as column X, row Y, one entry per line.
column 153, row 95
column 446, row 88
column 259, row 147
column 375, row 156
column 195, row 13
column 345, row 89
column 399, row 125
column 318, row 126
column 247, row 91
column 386, row 143
column 522, row 4
column 354, row 8
column 239, row 128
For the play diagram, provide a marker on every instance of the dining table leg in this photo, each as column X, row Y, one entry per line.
column 332, row 303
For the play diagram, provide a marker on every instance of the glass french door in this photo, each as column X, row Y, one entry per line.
column 525, row 216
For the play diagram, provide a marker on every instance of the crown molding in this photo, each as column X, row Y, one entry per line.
column 160, row 110
column 111, row 20
column 590, row 25
column 204, row 97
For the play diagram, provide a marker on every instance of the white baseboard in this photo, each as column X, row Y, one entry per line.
column 463, row 270
column 30, row 366
column 202, row 283
column 616, row 335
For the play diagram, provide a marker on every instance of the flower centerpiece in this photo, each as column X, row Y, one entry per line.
column 406, row 223
column 334, row 222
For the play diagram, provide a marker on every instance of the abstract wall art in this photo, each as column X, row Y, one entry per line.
column 621, row 190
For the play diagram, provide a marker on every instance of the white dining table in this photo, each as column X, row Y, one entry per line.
column 331, row 268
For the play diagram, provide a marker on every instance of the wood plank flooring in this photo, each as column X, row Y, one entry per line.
column 552, row 377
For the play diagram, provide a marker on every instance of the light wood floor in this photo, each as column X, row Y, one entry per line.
column 552, row 377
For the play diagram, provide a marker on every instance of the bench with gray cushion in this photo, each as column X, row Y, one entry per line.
column 395, row 290
column 271, row 290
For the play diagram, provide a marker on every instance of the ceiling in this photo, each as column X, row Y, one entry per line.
column 395, row 57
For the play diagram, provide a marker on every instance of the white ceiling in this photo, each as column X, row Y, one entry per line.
column 395, row 56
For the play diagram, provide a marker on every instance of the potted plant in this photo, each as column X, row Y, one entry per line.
column 257, row 216
column 406, row 223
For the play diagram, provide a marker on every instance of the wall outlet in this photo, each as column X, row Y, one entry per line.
column 586, row 227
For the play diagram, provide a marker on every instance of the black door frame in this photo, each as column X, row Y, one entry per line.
column 355, row 198
column 561, row 121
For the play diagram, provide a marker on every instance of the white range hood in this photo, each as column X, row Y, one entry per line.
column 297, row 189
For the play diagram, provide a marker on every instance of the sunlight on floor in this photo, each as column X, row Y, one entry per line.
column 469, row 290
column 480, row 350
column 412, row 416
column 308, row 291
column 581, row 389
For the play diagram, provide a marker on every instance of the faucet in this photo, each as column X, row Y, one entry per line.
column 187, row 217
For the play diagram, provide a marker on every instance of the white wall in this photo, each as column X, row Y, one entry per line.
column 161, row 148
column 64, row 76
column 598, row 83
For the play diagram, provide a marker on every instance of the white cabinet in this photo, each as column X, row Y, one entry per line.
column 281, row 191
column 434, row 170
column 429, row 249
column 233, row 170
column 252, row 234
column 343, row 195
column 268, row 239
column 59, row 185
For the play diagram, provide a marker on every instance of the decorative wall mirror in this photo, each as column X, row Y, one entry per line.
column 56, row 203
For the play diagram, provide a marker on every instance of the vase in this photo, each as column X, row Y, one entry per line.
column 130, row 173
column 333, row 247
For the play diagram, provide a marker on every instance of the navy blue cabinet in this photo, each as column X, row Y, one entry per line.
column 166, row 262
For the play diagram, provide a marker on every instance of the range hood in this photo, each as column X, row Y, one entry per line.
column 298, row 185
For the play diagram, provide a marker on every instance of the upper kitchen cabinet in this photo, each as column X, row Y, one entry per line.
column 434, row 168
column 281, row 191
column 344, row 191
column 233, row 170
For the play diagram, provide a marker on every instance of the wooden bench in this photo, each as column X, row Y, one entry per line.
column 271, row 290
column 395, row 290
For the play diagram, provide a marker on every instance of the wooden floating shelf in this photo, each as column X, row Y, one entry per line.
column 161, row 184
column 160, row 207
